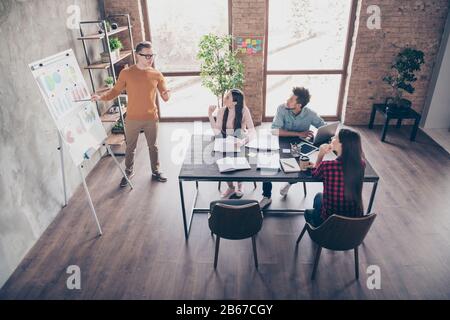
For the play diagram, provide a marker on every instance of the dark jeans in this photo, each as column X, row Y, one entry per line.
column 312, row 216
column 267, row 189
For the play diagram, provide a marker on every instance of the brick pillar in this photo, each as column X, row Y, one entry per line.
column 248, row 19
column 418, row 24
column 135, row 10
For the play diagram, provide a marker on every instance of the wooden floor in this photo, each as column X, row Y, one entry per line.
column 143, row 253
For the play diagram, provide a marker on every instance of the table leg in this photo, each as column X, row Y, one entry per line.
column 372, row 197
column 183, row 210
column 385, row 128
column 304, row 188
column 372, row 117
column 415, row 128
column 399, row 123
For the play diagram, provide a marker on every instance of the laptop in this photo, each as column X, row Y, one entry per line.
column 323, row 135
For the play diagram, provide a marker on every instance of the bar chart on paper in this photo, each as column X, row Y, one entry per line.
column 65, row 92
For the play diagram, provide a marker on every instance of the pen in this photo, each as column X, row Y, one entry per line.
column 81, row 100
column 289, row 165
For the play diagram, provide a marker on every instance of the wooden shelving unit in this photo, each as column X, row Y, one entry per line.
column 112, row 117
column 105, row 65
column 100, row 36
column 92, row 65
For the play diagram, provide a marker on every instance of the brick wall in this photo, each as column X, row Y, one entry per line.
column 418, row 24
column 248, row 19
column 135, row 10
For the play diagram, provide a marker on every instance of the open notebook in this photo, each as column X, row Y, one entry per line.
column 229, row 164
column 290, row 165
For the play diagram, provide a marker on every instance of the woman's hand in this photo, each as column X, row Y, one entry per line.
column 211, row 109
column 325, row 148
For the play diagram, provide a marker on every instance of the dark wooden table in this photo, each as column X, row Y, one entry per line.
column 200, row 165
column 410, row 114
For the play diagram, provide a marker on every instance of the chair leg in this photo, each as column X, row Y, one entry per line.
column 301, row 235
column 316, row 262
column 356, row 263
column 254, row 184
column 304, row 188
column 218, row 185
column 216, row 254
column 255, row 255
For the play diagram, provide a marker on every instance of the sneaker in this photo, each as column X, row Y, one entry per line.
column 284, row 191
column 228, row 193
column 239, row 191
column 159, row 176
column 265, row 202
column 124, row 182
column 238, row 194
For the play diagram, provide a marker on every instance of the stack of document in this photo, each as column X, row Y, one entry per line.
column 264, row 141
column 290, row 165
column 229, row 164
column 229, row 144
column 268, row 161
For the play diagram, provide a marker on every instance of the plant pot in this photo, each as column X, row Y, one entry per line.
column 115, row 55
column 401, row 107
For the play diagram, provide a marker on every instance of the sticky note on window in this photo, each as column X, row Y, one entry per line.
column 258, row 41
column 244, row 44
column 249, row 51
column 248, row 41
column 254, row 42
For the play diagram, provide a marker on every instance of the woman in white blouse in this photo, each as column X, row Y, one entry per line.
column 233, row 119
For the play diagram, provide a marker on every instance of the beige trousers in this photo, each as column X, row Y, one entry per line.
column 132, row 130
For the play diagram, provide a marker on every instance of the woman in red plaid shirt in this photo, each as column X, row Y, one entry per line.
column 342, row 179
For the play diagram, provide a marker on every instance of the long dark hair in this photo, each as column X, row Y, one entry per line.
column 238, row 97
column 352, row 163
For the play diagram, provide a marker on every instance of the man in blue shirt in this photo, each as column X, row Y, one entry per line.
column 293, row 119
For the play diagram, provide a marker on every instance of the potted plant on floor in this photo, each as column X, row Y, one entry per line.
column 220, row 69
column 402, row 77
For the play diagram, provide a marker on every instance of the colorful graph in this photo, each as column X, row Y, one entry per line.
column 88, row 116
column 248, row 46
column 62, row 84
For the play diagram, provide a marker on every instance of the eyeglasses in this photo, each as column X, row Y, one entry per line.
column 147, row 56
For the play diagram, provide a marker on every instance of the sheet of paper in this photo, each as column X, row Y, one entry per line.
column 264, row 141
column 268, row 161
column 229, row 144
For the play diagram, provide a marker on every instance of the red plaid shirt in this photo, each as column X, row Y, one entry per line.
column 334, row 202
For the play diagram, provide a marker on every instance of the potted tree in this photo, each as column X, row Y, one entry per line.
column 220, row 69
column 402, row 77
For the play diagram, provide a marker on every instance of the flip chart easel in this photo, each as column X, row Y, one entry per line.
column 80, row 129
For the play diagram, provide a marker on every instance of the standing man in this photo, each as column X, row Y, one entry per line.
column 141, row 82
column 293, row 119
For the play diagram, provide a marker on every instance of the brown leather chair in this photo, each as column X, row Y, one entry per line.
column 339, row 233
column 235, row 220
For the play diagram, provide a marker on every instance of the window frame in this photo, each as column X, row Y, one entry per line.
column 147, row 26
column 343, row 71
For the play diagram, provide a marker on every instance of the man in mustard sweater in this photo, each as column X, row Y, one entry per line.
column 141, row 82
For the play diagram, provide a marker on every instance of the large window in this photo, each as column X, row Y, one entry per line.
column 307, row 46
column 176, row 27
